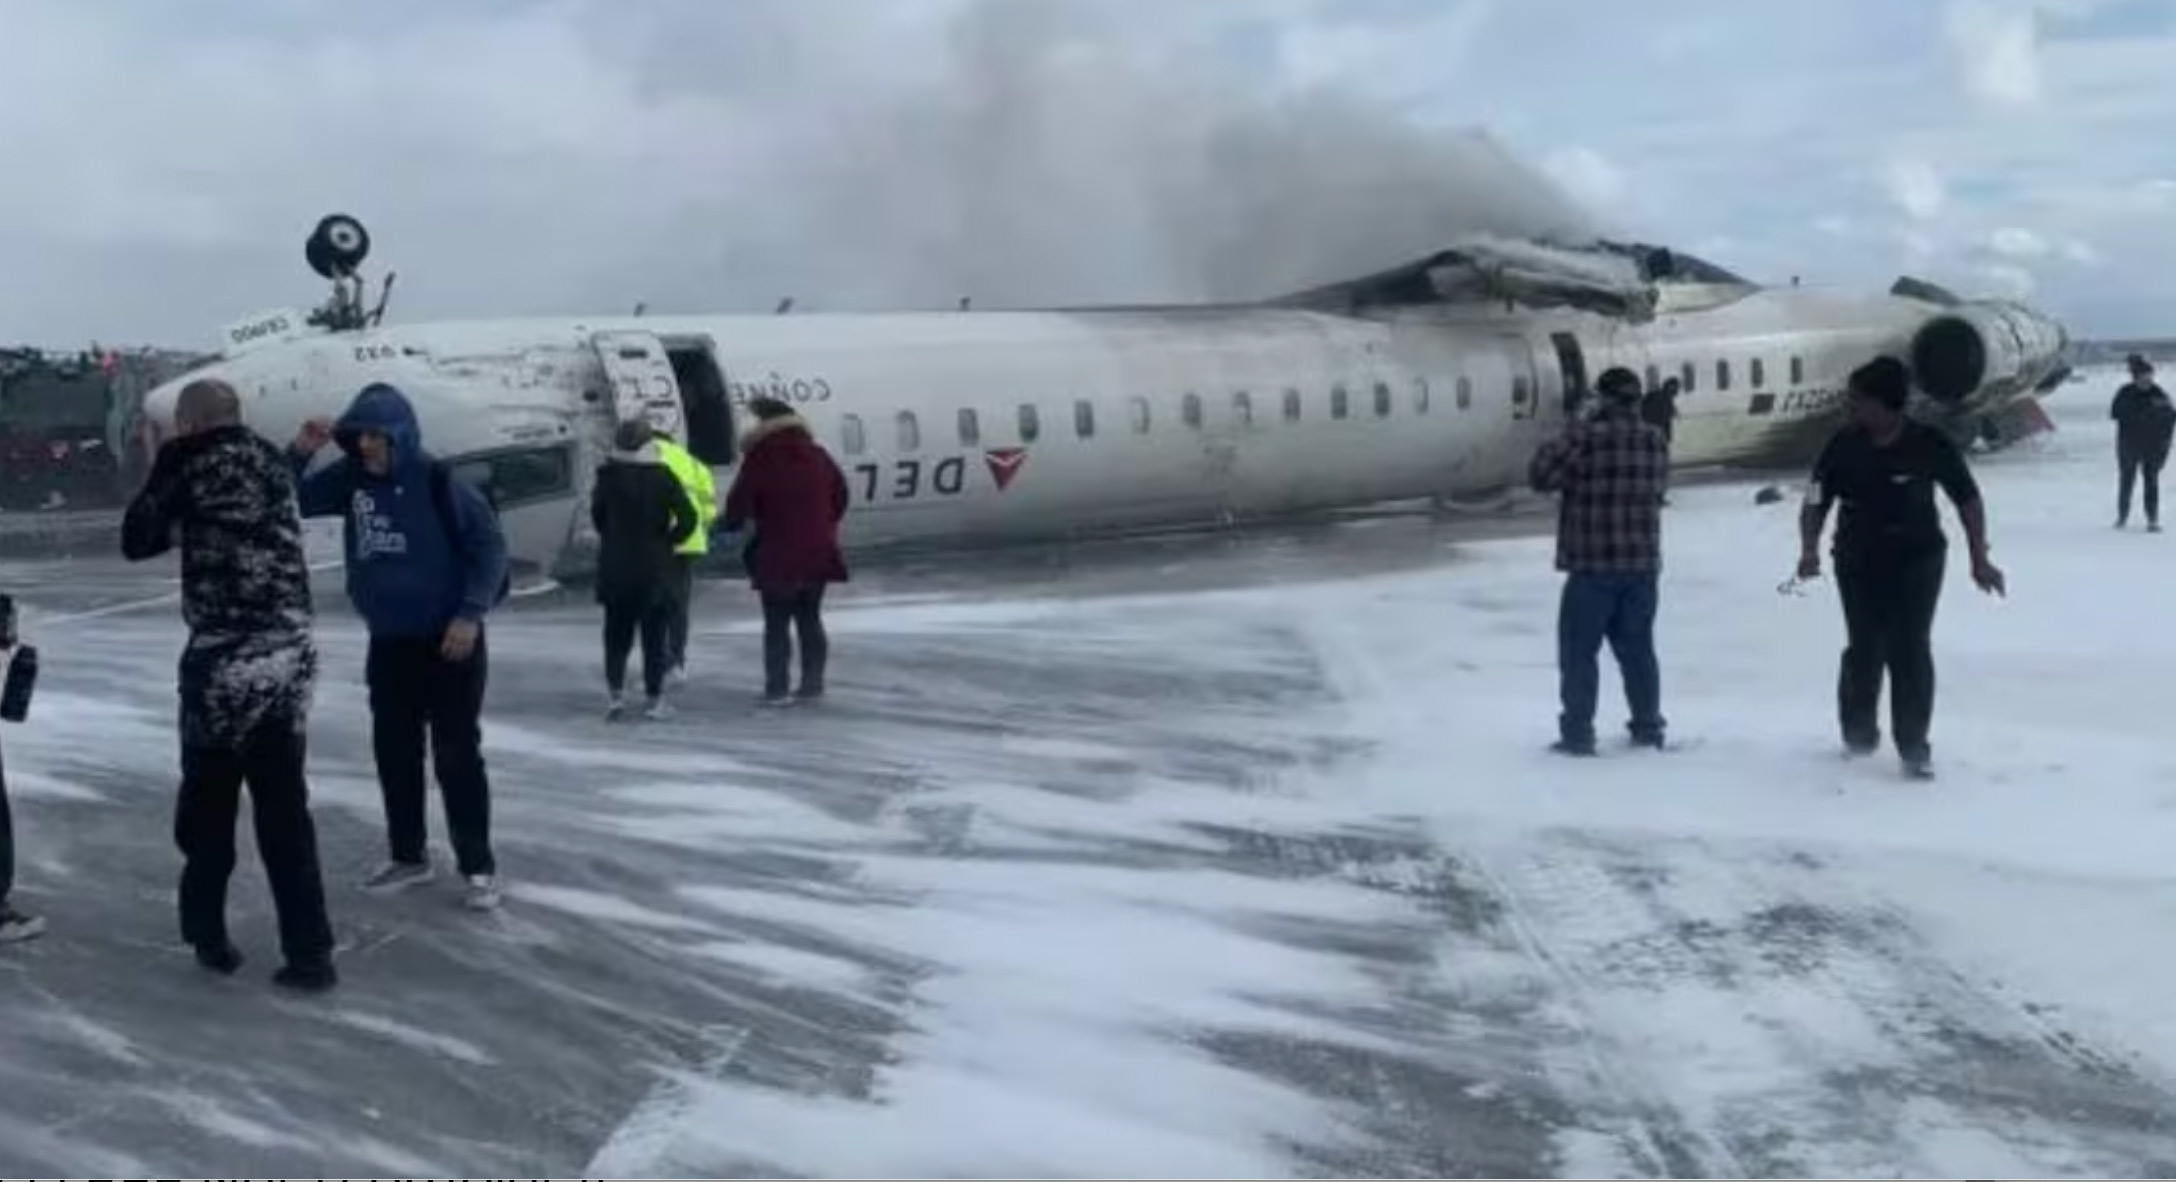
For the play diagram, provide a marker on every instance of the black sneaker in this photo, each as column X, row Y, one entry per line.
column 222, row 958
column 1919, row 766
column 1575, row 750
column 808, row 693
column 307, row 976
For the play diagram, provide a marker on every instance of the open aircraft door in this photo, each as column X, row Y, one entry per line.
column 644, row 385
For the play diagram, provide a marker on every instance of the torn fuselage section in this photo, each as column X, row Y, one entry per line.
column 1619, row 280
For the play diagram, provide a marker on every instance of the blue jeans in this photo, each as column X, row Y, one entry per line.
column 1619, row 608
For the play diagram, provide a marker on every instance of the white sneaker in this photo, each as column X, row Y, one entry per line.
column 678, row 675
column 659, row 710
column 398, row 876
column 615, row 708
column 483, row 893
column 17, row 927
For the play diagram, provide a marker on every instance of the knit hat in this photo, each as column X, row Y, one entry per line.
column 1619, row 384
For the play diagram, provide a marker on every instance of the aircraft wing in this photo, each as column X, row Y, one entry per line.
column 1490, row 270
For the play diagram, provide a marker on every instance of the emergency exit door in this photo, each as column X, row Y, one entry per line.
column 644, row 385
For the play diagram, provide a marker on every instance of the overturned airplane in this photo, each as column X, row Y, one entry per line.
column 1432, row 380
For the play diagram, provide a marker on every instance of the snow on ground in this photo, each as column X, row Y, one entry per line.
column 1244, row 860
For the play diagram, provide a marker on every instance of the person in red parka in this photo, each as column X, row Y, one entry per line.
column 794, row 494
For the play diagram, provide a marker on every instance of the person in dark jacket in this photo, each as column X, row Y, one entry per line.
column 1883, row 468
column 16, row 925
column 2145, row 421
column 793, row 493
column 247, row 674
column 642, row 513
column 1659, row 409
column 425, row 562
column 1612, row 470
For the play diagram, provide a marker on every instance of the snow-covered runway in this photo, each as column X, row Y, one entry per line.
column 1235, row 861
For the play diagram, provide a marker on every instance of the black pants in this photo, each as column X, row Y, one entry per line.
column 270, row 761
column 653, row 619
column 2131, row 463
column 683, row 598
column 785, row 613
column 1889, row 603
column 7, row 838
column 415, row 692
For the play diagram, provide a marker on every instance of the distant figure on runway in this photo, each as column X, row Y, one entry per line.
column 1612, row 470
column 2145, row 421
column 701, row 487
column 641, row 512
column 793, row 493
column 16, row 925
column 426, row 563
column 247, row 675
column 1890, row 553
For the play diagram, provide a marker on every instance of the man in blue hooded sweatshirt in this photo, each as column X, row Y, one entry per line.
column 425, row 564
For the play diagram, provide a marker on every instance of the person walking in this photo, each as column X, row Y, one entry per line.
column 1612, row 470
column 701, row 487
column 426, row 563
column 247, row 675
column 793, row 493
column 1882, row 468
column 2145, row 421
column 641, row 512
column 16, row 925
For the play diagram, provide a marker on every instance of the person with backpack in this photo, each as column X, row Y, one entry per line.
column 426, row 563
column 641, row 512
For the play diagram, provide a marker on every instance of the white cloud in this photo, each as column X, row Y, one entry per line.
column 2017, row 243
column 2007, row 280
column 1917, row 188
column 1996, row 45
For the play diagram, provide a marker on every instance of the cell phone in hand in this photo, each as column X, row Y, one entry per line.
column 8, row 634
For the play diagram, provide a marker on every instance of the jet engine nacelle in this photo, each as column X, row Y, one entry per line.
column 1985, row 351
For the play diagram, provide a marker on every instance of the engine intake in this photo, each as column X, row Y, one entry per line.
column 1983, row 351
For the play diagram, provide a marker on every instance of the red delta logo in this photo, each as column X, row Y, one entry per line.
column 1005, row 464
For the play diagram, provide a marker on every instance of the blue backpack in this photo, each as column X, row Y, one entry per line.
column 442, row 479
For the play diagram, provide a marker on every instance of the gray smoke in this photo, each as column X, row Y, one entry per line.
column 1046, row 160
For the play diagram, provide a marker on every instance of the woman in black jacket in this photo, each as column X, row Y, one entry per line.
column 642, row 515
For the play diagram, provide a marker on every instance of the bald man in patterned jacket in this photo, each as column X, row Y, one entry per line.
column 247, row 675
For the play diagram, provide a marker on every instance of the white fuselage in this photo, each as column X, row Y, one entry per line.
column 1017, row 425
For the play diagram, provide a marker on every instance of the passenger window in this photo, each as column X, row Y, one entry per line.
column 1465, row 392
column 851, row 437
column 514, row 478
column 1291, row 406
column 1084, row 419
column 910, row 431
column 1420, row 394
column 1521, row 391
column 1190, row 411
column 1689, row 380
column 1243, row 408
column 1031, row 423
column 1798, row 371
column 1340, row 402
column 1382, row 400
column 1722, row 375
column 1760, row 373
column 1139, row 410
column 970, row 428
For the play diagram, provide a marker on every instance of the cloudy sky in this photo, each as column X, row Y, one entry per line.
column 164, row 161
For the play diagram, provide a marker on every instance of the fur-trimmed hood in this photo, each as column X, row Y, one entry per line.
column 765, row 428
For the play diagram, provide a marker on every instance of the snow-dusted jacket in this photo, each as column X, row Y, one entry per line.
column 245, row 586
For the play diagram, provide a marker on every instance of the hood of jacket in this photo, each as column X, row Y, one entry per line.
column 646, row 454
column 772, row 428
column 385, row 410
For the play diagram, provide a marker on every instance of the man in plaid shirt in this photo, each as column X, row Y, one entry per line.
column 1612, row 470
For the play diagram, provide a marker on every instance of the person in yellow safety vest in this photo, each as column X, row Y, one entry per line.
column 694, row 477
